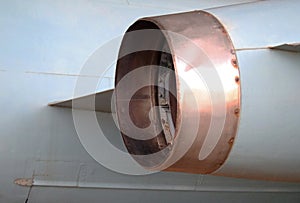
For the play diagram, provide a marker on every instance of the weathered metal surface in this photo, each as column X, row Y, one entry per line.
column 203, row 51
column 269, row 128
column 27, row 182
column 55, row 37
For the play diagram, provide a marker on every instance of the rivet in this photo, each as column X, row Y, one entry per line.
column 237, row 78
column 237, row 111
column 220, row 164
column 234, row 63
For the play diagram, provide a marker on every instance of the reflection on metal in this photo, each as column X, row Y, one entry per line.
column 256, row 105
column 27, row 182
column 266, row 145
column 102, row 101
column 295, row 47
column 205, row 82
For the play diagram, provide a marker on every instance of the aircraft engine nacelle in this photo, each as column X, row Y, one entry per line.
column 213, row 92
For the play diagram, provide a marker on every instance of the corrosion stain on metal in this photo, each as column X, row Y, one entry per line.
column 25, row 182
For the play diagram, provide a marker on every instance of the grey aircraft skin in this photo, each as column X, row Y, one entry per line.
column 44, row 45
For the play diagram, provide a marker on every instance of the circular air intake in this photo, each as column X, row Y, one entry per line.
column 177, row 92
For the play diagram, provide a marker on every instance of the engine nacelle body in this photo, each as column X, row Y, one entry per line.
column 203, row 92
